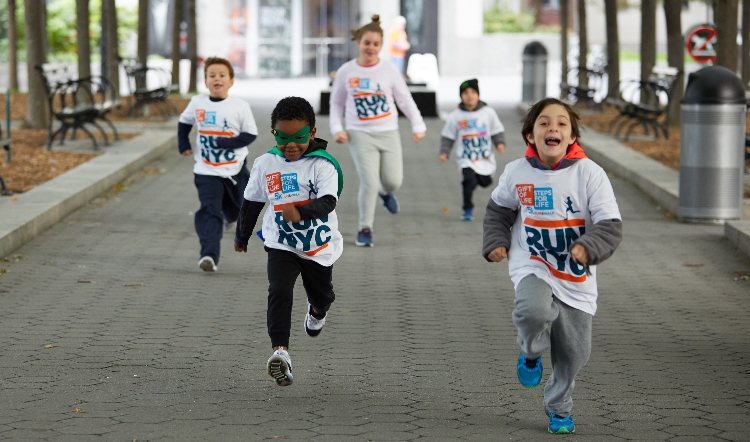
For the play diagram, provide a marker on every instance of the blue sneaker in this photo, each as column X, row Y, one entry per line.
column 560, row 425
column 468, row 215
column 529, row 377
column 390, row 202
column 364, row 238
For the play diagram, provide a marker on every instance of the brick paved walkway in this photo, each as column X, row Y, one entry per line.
column 107, row 312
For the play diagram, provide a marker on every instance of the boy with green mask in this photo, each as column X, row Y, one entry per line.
column 302, row 183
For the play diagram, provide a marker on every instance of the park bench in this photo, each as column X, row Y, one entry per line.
column 644, row 103
column 76, row 102
column 5, row 142
column 149, row 86
column 585, row 95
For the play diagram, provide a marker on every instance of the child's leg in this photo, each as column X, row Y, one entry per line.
column 209, row 221
column 469, row 183
column 234, row 195
column 484, row 180
column 391, row 161
column 535, row 311
column 283, row 270
column 570, row 350
column 318, row 282
column 367, row 162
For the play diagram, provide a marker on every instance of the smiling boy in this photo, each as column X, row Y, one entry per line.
column 225, row 127
column 301, row 183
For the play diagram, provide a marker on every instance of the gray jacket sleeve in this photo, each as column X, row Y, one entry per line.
column 498, row 138
column 498, row 222
column 446, row 145
column 601, row 240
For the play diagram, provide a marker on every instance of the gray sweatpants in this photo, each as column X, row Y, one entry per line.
column 543, row 321
column 380, row 166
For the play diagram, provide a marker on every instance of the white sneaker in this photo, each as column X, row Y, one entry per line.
column 280, row 367
column 313, row 326
column 207, row 264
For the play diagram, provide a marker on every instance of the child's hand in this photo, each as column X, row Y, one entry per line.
column 443, row 157
column 498, row 254
column 500, row 147
column 240, row 247
column 580, row 255
column 416, row 136
column 290, row 213
column 187, row 153
column 341, row 137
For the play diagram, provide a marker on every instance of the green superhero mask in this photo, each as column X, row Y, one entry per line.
column 302, row 136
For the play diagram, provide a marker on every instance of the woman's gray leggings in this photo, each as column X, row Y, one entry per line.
column 380, row 166
column 543, row 321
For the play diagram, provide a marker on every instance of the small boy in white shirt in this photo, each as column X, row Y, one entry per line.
column 474, row 127
column 225, row 127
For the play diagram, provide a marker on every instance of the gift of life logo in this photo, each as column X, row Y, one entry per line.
column 205, row 117
column 538, row 201
column 282, row 185
column 369, row 105
column 474, row 140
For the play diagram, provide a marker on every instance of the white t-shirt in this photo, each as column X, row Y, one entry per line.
column 556, row 207
column 226, row 118
column 472, row 132
column 281, row 182
column 367, row 97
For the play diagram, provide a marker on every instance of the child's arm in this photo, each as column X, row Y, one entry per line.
column 598, row 243
column 497, row 131
column 337, row 106
column 326, row 180
column 249, row 213
column 497, row 225
column 446, row 145
column 183, row 138
column 241, row 140
column 499, row 141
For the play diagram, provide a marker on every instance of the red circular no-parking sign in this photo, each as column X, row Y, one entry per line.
column 700, row 41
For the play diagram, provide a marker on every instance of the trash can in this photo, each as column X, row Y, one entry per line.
column 712, row 146
column 534, row 72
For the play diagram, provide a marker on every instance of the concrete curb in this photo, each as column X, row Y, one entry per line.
column 43, row 206
column 650, row 176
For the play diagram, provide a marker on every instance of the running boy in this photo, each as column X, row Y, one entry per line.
column 302, row 183
column 225, row 127
column 474, row 127
column 554, row 214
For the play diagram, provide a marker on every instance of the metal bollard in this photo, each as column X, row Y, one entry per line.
column 534, row 72
column 712, row 146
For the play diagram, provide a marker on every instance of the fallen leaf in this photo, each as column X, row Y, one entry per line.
column 687, row 264
column 85, row 281
column 18, row 257
column 137, row 284
column 80, row 410
column 14, row 198
column 445, row 210
column 3, row 271
column 48, row 346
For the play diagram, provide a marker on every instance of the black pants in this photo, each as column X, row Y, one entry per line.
column 220, row 199
column 470, row 182
column 283, row 269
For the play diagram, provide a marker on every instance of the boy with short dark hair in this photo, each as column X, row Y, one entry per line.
column 225, row 127
column 475, row 128
column 302, row 183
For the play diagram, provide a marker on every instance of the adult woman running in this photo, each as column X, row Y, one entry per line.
column 365, row 92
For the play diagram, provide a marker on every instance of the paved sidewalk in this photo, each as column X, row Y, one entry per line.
column 108, row 313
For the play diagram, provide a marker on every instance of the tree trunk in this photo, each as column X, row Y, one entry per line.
column 176, row 52
column 725, row 15
column 112, row 49
column 142, row 38
column 83, row 41
column 564, row 38
column 192, row 48
column 675, row 55
column 12, row 47
column 37, row 114
column 745, row 42
column 648, row 39
column 613, row 49
column 583, row 46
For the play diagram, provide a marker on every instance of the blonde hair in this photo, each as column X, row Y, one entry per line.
column 373, row 26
